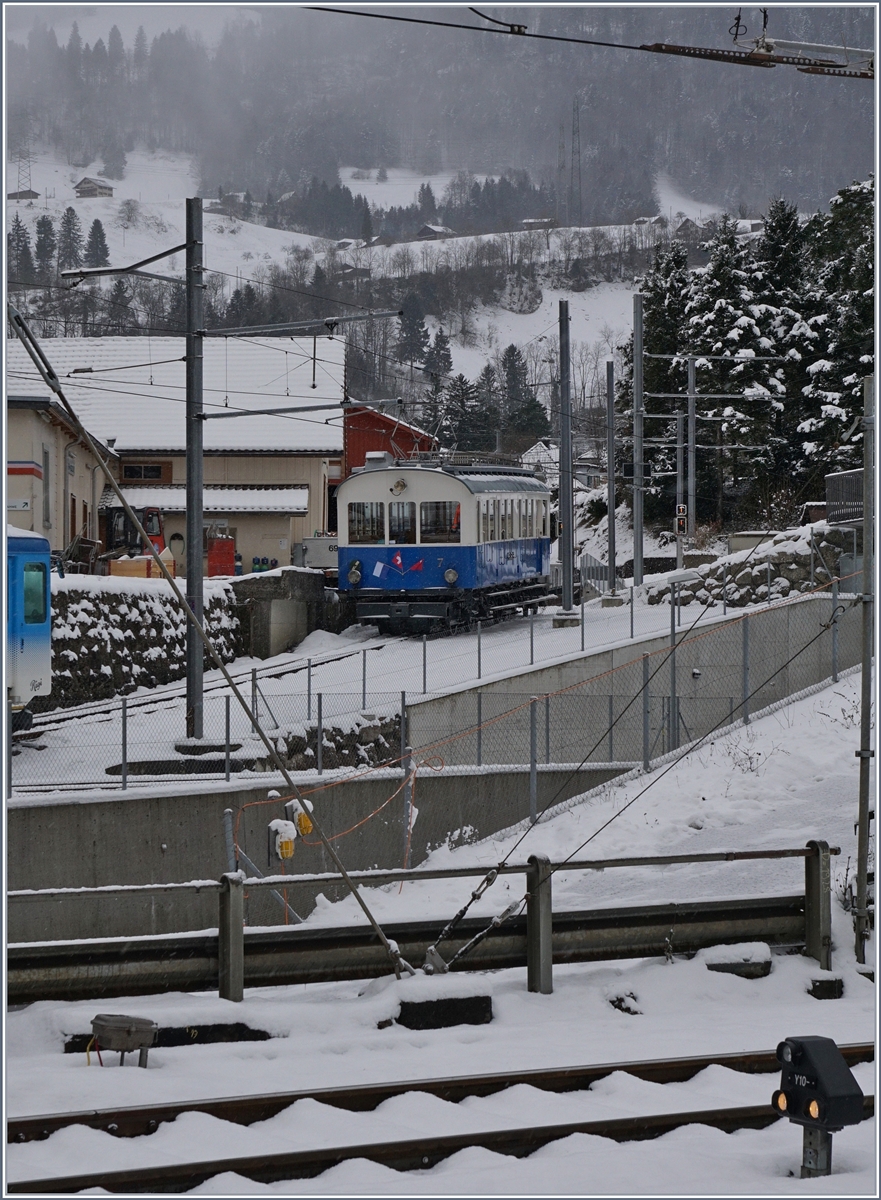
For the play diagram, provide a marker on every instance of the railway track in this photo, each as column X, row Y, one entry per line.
column 403, row 1154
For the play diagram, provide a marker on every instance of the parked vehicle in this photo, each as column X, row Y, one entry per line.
column 29, row 623
column 438, row 544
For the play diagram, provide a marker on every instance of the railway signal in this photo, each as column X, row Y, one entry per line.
column 817, row 1091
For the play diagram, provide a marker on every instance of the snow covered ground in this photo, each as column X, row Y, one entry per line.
column 790, row 776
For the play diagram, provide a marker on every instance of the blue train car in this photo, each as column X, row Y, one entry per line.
column 29, row 622
column 431, row 546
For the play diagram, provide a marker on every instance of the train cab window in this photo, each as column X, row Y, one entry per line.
column 367, row 523
column 151, row 523
column 439, row 521
column 35, row 593
column 402, row 523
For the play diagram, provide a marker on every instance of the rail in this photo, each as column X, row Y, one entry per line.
column 233, row 957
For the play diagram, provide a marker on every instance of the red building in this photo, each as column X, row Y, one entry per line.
column 366, row 429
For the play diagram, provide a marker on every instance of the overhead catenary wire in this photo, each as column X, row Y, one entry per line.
column 51, row 379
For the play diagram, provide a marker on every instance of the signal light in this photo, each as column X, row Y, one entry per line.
column 817, row 1091
column 680, row 526
column 780, row 1102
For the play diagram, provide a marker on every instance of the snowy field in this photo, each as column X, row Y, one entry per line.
column 790, row 776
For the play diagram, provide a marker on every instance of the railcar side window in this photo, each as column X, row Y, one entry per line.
column 402, row 523
column 34, row 593
column 367, row 523
column 439, row 521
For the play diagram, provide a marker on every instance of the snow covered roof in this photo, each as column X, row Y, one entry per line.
column 173, row 498
column 133, row 389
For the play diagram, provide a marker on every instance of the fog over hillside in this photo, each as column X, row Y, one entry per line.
column 267, row 98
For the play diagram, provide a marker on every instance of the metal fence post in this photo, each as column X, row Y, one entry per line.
column 631, row 615
column 407, row 765
column 818, row 905
column 539, row 926
column 479, row 635
column 674, row 731
column 9, row 749
column 531, row 636
column 746, row 670
column 835, row 630
column 533, row 761
column 480, row 729
column 611, row 719
column 769, row 581
column 229, row 840
column 254, row 712
column 646, row 766
column 403, row 723
column 308, row 689
column 424, row 663
column 582, row 616
column 363, row 679
column 231, row 938
column 319, row 740
column 812, row 557
column 124, row 743
column 226, row 726
column 724, row 590
column 547, row 730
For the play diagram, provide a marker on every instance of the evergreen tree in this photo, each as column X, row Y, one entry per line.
column 515, row 388
column 245, row 307
column 366, row 224
column 113, row 156
column 489, row 400
column 438, row 361
column 528, row 422
column 44, row 249
column 18, row 250
column 139, row 54
column 841, row 261
column 427, row 203
column 119, row 317
column 460, row 407
column 413, row 337
column 115, row 52
column 97, row 254
column 70, row 241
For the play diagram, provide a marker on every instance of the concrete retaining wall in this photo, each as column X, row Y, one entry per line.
column 165, row 838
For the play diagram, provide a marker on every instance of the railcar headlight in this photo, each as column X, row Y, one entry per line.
column 354, row 573
column 451, row 575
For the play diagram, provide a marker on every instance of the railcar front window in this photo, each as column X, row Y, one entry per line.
column 150, row 522
column 439, row 521
column 367, row 523
column 34, row 593
column 402, row 523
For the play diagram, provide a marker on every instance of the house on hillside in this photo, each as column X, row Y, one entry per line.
column 690, row 229
column 90, row 189
column 267, row 476
column 539, row 223
column 434, row 233
column 544, row 456
column 53, row 481
column 27, row 194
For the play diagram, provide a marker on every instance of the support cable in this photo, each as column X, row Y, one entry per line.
column 51, row 379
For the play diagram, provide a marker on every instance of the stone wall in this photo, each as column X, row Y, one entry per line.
column 112, row 635
column 745, row 578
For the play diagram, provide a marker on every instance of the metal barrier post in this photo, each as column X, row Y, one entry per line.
column 531, row 636
column 254, row 693
column 226, row 753
column 631, row 615
column 479, row 633
column 480, row 729
column 308, row 689
column 407, row 765
column 319, row 739
column 124, row 743
column 818, row 905
column 231, row 938
column 539, row 926
column 424, row 663
column 674, row 731
column 533, row 761
column 582, row 617
column 645, row 713
column 363, row 679
column 403, row 722
column 746, row 670
column 769, row 581
column 229, row 840
column 611, row 719
column 547, row 730
column 724, row 590
column 835, row 630
column 812, row 557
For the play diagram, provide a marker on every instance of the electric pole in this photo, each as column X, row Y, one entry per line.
column 610, row 466
column 692, row 447
column 195, row 472
column 567, row 507
column 638, row 414
column 865, row 752
column 680, row 480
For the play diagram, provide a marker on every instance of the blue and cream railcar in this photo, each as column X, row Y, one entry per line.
column 28, row 622
column 427, row 547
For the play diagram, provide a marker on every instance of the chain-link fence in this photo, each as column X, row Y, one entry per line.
column 679, row 688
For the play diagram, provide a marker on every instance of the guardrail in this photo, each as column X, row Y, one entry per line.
column 234, row 957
